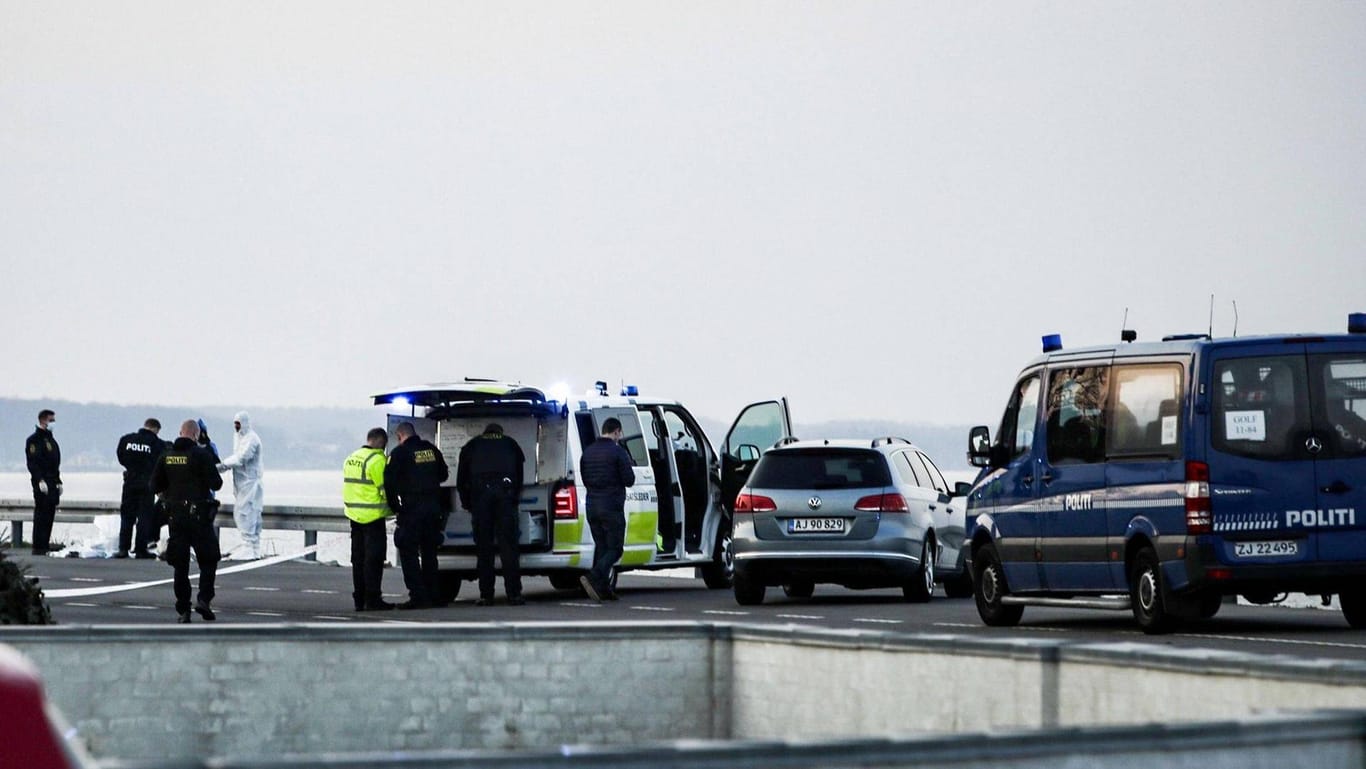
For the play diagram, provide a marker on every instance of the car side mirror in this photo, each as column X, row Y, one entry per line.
column 747, row 452
column 979, row 446
column 962, row 489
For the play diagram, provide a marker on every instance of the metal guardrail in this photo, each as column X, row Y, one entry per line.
column 309, row 520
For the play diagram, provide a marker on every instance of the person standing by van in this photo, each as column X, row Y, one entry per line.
column 365, row 503
column 248, row 498
column 412, row 482
column 489, row 479
column 606, row 473
column 138, row 524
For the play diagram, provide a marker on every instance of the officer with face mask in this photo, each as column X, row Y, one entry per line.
column 44, row 469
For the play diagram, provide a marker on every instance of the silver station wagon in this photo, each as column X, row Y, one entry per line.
column 862, row 514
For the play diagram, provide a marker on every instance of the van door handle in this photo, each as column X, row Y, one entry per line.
column 1337, row 487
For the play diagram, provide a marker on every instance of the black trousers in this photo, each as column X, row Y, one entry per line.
column 496, row 533
column 137, row 510
column 609, row 534
column 417, row 537
column 368, row 543
column 44, row 513
column 192, row 532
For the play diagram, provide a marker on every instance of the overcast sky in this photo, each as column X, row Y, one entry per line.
column 875, row 209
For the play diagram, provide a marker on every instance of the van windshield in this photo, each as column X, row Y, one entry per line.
column 822, row 468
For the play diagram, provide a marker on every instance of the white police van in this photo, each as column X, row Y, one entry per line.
column 678, row 513
column 1160, row 477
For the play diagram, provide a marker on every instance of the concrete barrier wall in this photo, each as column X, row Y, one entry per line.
column 256, row 692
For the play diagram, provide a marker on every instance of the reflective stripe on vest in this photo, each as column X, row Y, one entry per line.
column 362, row 496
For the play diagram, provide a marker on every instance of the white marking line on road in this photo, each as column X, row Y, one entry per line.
column 983, row 627
column 877, row 621
column 1292, row 641
column 81, row 592
column 141, row 608
column 330, row 616
column 265, row 614
column 85, row 579
column 320, row 592
column 262, row 589
column 800, row 616
column 726, row 613
column 581, row 604
column 649, row 608
column 86, row 605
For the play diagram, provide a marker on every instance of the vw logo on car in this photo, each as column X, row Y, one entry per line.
column 814, row 503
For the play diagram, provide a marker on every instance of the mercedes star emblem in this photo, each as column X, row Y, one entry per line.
column 1312, row 445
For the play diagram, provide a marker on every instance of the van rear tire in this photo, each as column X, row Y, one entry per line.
column 1353, row 602
column 989, row 587
column 565, row 580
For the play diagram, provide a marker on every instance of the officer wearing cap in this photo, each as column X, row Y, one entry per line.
column 412, row 482
column 489, row 481
column 185, row 477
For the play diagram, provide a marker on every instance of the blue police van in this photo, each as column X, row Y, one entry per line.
column 1160, row 477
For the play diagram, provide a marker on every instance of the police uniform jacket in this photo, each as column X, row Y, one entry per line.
column 489, row 458
column 606, row 472
column 186, row 473
column 44, row 457
column 413, row 477
column 138, row 453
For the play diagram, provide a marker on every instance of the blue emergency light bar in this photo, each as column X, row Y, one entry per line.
column 630, row 391
column 1356, row 323
column 1052, row 342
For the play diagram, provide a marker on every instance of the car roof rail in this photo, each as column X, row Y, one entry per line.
column 883, row 441
column 786, row 441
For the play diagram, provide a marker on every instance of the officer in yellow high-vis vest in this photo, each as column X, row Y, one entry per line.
column 367, row 506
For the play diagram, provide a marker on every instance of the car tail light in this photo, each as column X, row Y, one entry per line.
column 1199, row 511
column 882, row 503
column 754, row 503
column 567, row 502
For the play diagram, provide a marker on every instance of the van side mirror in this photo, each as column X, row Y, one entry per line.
column 747, row 452
column 979, row 446
column 962, row 489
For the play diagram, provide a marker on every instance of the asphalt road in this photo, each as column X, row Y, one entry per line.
column 301, row 592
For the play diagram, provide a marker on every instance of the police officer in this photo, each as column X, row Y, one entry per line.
column 365, row 503
column 138, row 453
column 489, row 481
column 185, row 477
column 44, row 470
column 606, row 472
column 412, row 482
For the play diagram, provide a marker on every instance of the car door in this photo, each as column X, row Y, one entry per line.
column 1337, row 387
column 757, row 428
column 1071, row 470
column 1262, row 448
column 1009, row 494
column 947, row 512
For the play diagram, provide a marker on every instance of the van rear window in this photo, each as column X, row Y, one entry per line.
column 1261, row 407
column 1343, row 413
column 822, row 468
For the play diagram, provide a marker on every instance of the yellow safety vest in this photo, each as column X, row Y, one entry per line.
column 363, row 487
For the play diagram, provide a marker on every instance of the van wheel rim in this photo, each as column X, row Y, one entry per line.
column 929, row 574
column 1147, row 591
column 990, row 588
column 727, row 556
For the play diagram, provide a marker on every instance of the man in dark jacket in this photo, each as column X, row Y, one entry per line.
column 488, row 478
column 44, row 469
column 606, row 472
column 138, row 453
column 186, row 476
column 412, row 480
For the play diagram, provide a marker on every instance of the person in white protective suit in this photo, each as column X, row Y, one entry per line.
column 248, row 498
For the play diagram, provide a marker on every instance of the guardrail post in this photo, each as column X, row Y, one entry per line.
column 311, row 539
column 16, row 533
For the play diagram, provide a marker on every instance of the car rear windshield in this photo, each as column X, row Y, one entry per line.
column 821, row 468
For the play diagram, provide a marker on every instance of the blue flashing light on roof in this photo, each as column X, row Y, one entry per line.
column 1356, row 323
column 400, row 401
column 1052, row 342
column 630, row 391
column 601, row 387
